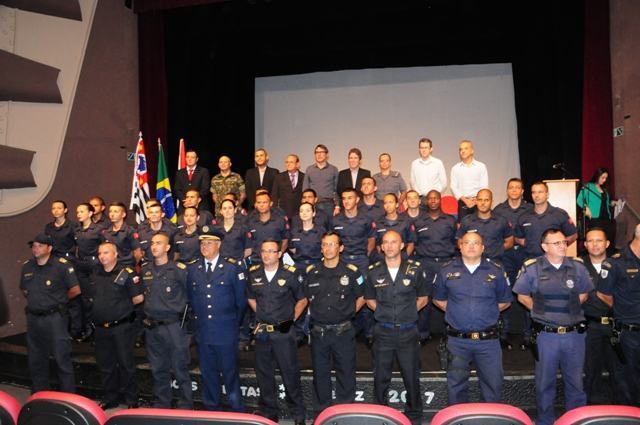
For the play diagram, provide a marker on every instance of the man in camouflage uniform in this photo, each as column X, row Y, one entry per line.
column 226, row 182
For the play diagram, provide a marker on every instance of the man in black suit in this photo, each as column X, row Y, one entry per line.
column 352, row 177
column 193, row 176
column 259, row 176
column 286, row 192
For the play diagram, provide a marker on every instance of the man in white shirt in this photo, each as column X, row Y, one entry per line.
column 427, row 172
column 467, row 178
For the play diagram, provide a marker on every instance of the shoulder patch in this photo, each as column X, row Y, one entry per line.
column 144, row 264
column 195, row 260
column 290, row 268
column 26, row 262
column 616, row 255
column 181, row 265
column 62, row 260
column 530, row 261
column 446, row 263
column 310, row 267
column 495, row 263
column 231, row 260
column 352, row 267
column 374, row 265
column 606, row 264
column 129, row 270
column 578, row 259
column 254, row 267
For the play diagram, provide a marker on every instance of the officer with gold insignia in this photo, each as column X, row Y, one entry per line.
column 472, row 291
column 117, row 290
column 335, row 291
column 48, row 282
column 623, row 288
column 167, row 343
column 216, row 288
column 396, row 290
column 553, row 287
column 275, row 294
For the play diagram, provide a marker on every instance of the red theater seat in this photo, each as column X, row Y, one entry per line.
column 183, row 417
column 360, row 413
column 449, row 205
column 601, row 415
column 481, row 414
column 56, row 408
column 9, row 409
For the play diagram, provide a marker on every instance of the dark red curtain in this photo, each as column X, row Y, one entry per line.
column 153, row 88
column 597, row 113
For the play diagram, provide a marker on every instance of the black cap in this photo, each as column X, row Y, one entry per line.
column 43, row 239
column 211, row 233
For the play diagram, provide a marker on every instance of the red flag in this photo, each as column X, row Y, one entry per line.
column 182, row 157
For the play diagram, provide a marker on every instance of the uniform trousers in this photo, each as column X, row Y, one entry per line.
column 217, row 360
column 431, row 266
column 565, row 351
column 81, row 307
column 402, row 345
column 114, row 356
column 325, row 346
column 599, row 357
column 364, row 318
column 281, row 348
column 167, row 350
column 487, row 357
column 48, row 335
column 628, row 374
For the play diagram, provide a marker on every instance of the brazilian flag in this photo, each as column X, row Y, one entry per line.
column 163, row 188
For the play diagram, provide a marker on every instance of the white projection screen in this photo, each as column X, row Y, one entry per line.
column 389, row 110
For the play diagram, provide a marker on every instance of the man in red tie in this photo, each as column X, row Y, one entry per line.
column 193, row 176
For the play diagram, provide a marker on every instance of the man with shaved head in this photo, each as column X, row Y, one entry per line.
column 467, row 177
column 226, row 182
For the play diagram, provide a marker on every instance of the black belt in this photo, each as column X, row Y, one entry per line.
column 282, row 327
column 399, row 326
column 337, row 328
column 491, row 333
column 627, row 327
column 150, row 323
column 46, row 312
column 603, row 320
column 130, row 318
column 539, row 327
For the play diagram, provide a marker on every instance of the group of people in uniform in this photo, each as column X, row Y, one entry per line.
column 329, row 255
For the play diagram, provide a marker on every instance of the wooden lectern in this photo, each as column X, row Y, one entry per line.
column 562, row 194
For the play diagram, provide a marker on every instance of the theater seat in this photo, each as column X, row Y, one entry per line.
column 361, row 413
column 183, row 417
column 56, row 408
column 601, row 415
column 481, row 414
column 449, row 205
column 9, row 409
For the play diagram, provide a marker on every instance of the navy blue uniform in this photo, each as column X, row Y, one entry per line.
column 145, row 233
column 126, row 240
column 276, row 228
column 167, row 344
column 103, row 222
column 556, row 308
column 402, row 225
column 218, row 302
column 435, row 245
column 354, row 233
column 187, row 245
column 236, row 240
column 472, row 316
column 532, row 225
column 306, row 244
column 64, row 242
column 275, row 337
column 87, row 240
column 46, row 289
column 373, row 211
column 494, row 230
column 321, row 219
column 624, row 285
column 395, row 333
column 332, row 295
column 113, row 317
column 204, row 217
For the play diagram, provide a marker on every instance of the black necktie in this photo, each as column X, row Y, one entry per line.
column 209, row 268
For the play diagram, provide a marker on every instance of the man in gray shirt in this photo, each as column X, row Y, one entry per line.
column 323, row 178
column 389, row 181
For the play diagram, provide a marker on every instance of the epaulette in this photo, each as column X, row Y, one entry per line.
column 231, row 260
column 616, row 255
column 530, row 261
column 414, row 262
column 62, row 260
column 180, row 265
column 374, row 265
column 26, row 262
column 254, row 267
column 606, row 264
column 195, row 260
column 310, row 267
column 352, row 267
column 446, row 263
column 290, row 268
column 129, row 270
column 578, row 259
column 495, row 263
column 144, row 264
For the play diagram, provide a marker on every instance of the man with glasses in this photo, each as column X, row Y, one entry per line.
column 275, row 294
column 553, row 287
column 323, row 178
column 472, row 292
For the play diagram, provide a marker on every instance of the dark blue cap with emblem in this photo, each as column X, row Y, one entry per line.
column 42, row 238
column 210, row 233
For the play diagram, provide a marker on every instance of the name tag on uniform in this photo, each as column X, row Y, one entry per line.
column 632, row 270
column 313, row 285
column 423, row 229
column 453, row 275
column 338, row 227
column 526, row 224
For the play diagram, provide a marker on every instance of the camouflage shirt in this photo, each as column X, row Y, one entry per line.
column 221, row 185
